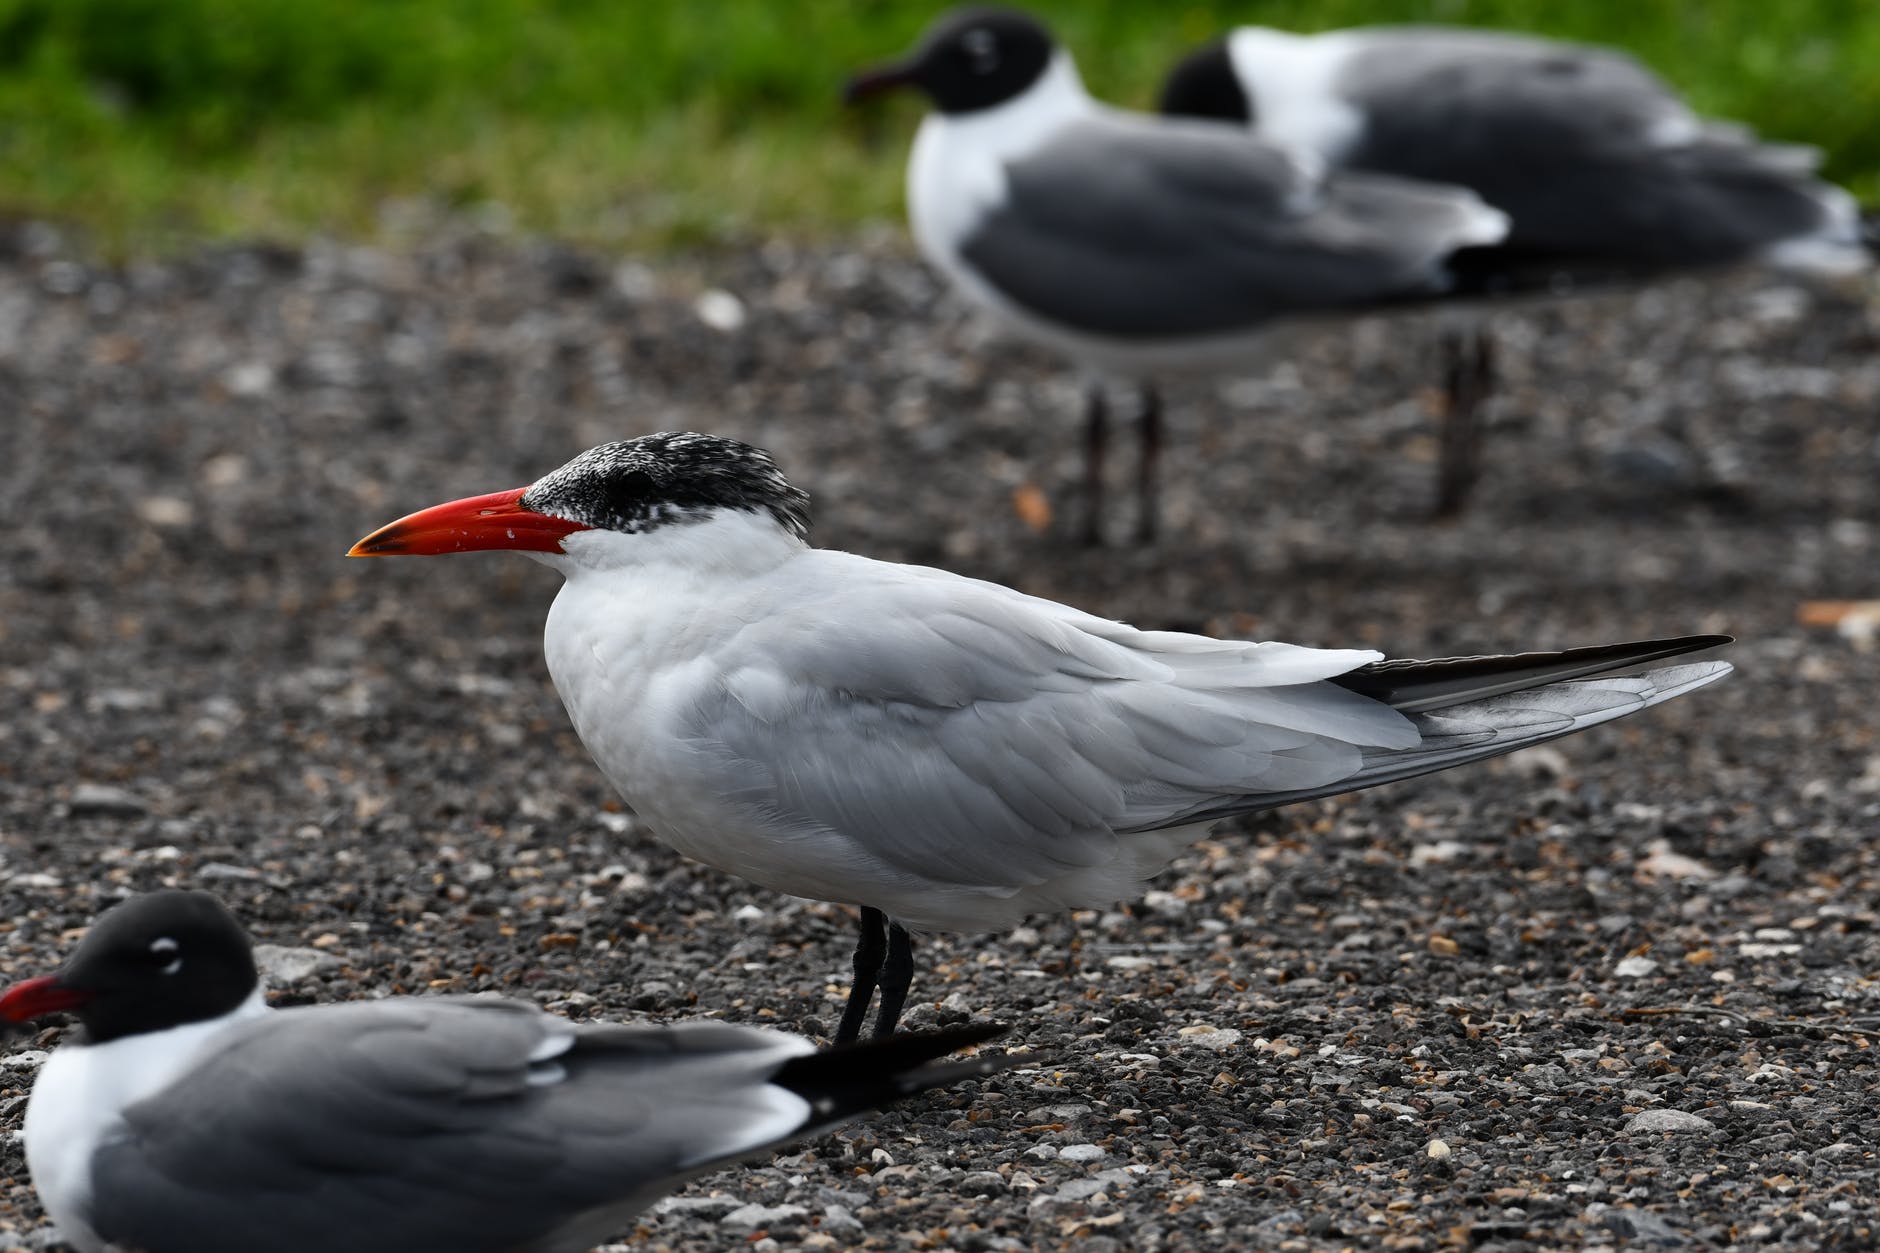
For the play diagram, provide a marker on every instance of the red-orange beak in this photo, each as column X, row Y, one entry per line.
column 476, row 524
column 35, row 998
column 878, row 80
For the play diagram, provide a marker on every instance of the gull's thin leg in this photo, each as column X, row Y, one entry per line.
column 1096, row 443
column 1148, row 504
column 1469, row 372
column 871, row 946
column 897, row 973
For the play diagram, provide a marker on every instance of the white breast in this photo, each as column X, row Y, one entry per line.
column 1292, row 84
column 956, row 174
column 79, row 1099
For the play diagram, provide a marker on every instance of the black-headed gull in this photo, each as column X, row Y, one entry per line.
column 945, row 753
column 1134, row 244
column 1603, row 170
column 188, row 1117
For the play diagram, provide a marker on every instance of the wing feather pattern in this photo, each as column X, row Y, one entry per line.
column 971, row 735
column 964, row 735
column 1158, row 228
column 1592, row 155
column 473, row 1124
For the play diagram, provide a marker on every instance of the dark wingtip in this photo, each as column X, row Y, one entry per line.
column 866, row 1074
column 1415, row 686
column 913, row 1047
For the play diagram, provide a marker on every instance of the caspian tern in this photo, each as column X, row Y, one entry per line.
column 1134, row 244
column 945, row 753
column 1602, row 169
column 191, row 1118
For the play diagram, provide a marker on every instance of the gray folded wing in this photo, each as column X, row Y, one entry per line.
column 1161, row 228
column 966, row 734
column 1592, row 155
column 463, row 1124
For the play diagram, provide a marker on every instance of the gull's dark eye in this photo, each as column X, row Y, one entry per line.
column 164, row 952
column 982, row 50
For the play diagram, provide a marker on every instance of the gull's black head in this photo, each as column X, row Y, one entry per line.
column 972, row 58
column 1204, row 84
column 153, row 962
column 673, row 477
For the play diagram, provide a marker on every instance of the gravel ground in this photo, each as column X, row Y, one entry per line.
column 1617, row 991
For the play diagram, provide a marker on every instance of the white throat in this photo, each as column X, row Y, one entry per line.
column 1292, row 83
column 80, row 1097
column 728, row 542
column 957, row 171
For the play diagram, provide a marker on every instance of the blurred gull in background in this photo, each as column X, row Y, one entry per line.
column 189, row 1117
column 1134, row 244
column 1604, row 172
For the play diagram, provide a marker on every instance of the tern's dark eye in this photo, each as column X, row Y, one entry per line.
column 166, row 955
column 982, row 50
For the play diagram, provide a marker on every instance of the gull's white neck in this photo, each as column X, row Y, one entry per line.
column 81, row 1094
column 957, row 171
column 1292, row 83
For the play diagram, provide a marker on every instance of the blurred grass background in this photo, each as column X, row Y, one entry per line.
column 648, row 124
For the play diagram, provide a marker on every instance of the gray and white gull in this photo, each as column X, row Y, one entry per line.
column 945, row 753
column 189, row 1117
column 1133, row 244
column 1603, row 171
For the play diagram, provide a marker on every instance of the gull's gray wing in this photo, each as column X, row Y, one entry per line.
column 1147, row 228
column 964, row 733
column 1591, row 154
column 446, row 1123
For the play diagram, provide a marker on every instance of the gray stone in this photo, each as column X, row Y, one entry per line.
column 1667, row 1120
column 101, row 800
column 281, row 965
column 703, row 1206
column 751, row 1217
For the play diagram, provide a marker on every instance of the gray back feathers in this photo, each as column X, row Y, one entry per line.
column 1145, row 229
column 1591, row 154
column 463, row 1124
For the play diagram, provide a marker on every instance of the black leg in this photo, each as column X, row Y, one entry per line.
column 897, row 973
column 871, row 946
column 1148, row 506
column 1469, row 372
column 1096, row 443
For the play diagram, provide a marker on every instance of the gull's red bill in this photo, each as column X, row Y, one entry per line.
column 35, row 998
column 877, row 81
column 495, row 522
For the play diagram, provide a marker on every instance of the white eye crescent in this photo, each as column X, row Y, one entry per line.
column 983, row 47
column 164, row 946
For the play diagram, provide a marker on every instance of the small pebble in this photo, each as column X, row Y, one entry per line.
column 1653, row 1120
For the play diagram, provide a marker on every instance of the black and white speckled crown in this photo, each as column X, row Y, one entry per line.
column 635, row 485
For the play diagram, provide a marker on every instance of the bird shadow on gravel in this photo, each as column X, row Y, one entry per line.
column 1620, row 990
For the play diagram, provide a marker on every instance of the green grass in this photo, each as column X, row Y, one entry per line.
column 648, row 123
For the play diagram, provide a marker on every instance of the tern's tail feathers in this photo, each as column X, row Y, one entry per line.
column 1420, row 686
column 1501, row 724
column 850, row 1079
column 1471, row 708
